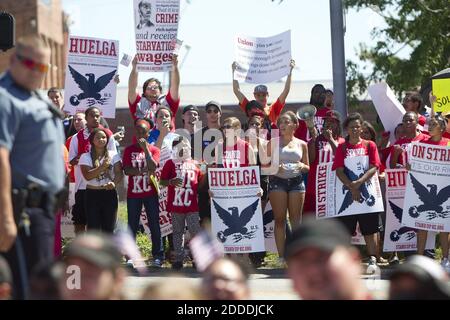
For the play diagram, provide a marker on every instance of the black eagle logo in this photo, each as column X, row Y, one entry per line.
column 89, row 87
column 365, row 196
column 236, row 223
column 267, row 218
column 396, row 234
column 432, row 200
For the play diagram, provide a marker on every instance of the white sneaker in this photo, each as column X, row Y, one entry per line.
column 373, row 268
column 446, row 265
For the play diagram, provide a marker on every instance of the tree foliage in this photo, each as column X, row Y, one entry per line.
column 421, row 25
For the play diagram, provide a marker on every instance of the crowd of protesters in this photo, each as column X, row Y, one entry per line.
column 319, row 257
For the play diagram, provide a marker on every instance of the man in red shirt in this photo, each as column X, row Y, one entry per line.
column 145, row 105
column 182, row 176
column 318, row 98
column 261, row 94
column 139, row 162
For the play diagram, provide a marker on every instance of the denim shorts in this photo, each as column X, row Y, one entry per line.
column 287, row 185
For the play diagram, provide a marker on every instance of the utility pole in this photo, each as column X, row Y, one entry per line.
column 338, row 56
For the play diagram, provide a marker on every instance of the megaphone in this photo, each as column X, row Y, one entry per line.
column 307, row 113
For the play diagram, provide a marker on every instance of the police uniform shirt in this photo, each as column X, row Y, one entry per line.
column 33, row 136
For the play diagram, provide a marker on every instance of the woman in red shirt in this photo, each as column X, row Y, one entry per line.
column 436, row 128
column 363, row 153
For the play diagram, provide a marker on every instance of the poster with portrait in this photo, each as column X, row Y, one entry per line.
column 236, row 217
column 92, row 64
column 156, row 28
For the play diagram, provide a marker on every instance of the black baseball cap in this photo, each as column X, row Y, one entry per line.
column 190, row 108
column 213, row 104
column 428, row 273
column 96, row 248
column 324, row 234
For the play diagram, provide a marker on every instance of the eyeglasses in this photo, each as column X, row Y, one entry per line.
column 153, row 87
column 33, row 65
column 212, row 110
column 227, row 127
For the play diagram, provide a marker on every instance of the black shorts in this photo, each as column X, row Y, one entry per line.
column 369, row 223
column 78, row 211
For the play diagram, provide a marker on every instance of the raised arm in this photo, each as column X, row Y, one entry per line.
column 287, row 85
column 236, row 89
column 175, row 79
column 133, row 81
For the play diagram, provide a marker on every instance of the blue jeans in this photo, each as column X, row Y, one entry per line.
column 151, row 204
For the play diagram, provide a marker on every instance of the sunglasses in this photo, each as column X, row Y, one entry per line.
column 227, row 127
column 255, row 124
column 33, row 65
column 212, row 110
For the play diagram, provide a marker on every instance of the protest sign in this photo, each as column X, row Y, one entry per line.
column 91, row 66
column 236, row 216
column 427, row 196
column 333, row 199
column 397, row 236
column 156, row 27
column 165, row 218
column 441, row 89
column 263, row 60
column 269, row 228
column 389, row 109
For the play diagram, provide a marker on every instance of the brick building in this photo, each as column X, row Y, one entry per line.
column 46, row 18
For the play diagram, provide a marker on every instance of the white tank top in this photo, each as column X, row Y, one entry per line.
column 290, row 156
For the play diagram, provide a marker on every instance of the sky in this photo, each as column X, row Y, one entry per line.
column 208, row 28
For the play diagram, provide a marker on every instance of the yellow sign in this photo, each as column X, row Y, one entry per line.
column 441, row 89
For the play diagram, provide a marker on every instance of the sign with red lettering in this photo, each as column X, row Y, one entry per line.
column 333, row 199
column 398, row 236
column 263, row 60
column 91, row 66
column 156, row 27
column 236, row 217
column 427, row 196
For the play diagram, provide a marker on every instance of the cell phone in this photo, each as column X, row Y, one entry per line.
column 121, row 129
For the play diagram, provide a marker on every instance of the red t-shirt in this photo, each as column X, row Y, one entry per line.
column 358, row 157
column 139, row 186
column 446, row 135
column 237, row 155
column 154, row 106
column 302, row 130
column 183, row 199
column 324, row 154
column 443, row 142
column 404, row 143
column 273, row 113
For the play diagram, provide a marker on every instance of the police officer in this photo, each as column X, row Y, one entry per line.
column 31, row 163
